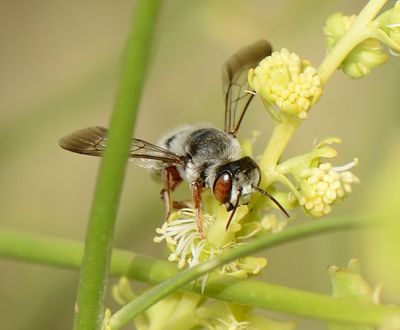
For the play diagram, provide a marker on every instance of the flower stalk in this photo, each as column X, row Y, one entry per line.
column 280, row 138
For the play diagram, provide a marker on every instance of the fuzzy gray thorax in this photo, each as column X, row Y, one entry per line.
column 205, row 147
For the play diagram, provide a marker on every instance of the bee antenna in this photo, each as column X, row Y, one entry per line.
column 234, row 210
column 272, row 198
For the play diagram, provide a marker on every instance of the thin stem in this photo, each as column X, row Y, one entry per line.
column 357, row 33
column 284, row 180
column 89, row 307
column 179, row 281
column 302, row 303
column 278, row 142
column 64, row 253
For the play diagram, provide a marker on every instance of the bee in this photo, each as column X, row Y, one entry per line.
column 202, row 155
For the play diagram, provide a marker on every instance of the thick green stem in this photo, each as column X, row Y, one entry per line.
column 64, row 253
column 179, row 281
column 357, row 33
column 281, row 135
column 89, row 307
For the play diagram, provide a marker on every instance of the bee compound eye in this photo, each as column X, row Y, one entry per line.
column 222, row 188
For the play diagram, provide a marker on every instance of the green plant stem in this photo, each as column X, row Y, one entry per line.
column 64, row 253
column 297, row 302
column 89, row 307
column 281, row 135
column 179, row 281
column 357, row 33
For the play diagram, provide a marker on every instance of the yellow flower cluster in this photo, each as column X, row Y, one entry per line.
column 324, row 185
column 188, row 249
column 284, row 80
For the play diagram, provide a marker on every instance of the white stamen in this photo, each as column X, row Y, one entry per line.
column 346, row 167
column 394, row 52
column 250, row 92
column 393, row 25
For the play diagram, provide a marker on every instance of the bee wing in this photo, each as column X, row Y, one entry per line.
column 235, row 85
column 93, row 141
column 88, row 141
column 148, row 155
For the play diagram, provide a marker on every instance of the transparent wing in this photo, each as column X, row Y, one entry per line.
column 93, row 141
column 235, row 86
column 148, row 155
column 88, row 141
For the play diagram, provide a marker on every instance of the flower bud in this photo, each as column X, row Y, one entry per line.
column 364, row 57
column 318, row 185
column 271, row 223
column 322, row 186
column 349, row 283
column 284, row 80
column 389, row 23
column 336, row 25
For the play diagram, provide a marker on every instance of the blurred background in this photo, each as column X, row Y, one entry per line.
column 59, row 66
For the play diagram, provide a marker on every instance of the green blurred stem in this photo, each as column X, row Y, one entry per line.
column 358, row 32
column 64, row 253
column 89, row 307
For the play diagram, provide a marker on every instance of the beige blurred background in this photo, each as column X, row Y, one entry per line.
column 59, row 71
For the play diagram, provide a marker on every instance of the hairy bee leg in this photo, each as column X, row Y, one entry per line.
column 171, row 179
column 196, row 195
column 166, row 192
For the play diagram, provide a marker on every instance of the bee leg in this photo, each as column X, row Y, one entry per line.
column 177, row 205
column 196, row 195
column 171, row 179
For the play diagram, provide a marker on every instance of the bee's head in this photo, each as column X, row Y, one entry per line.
column 235, row 181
